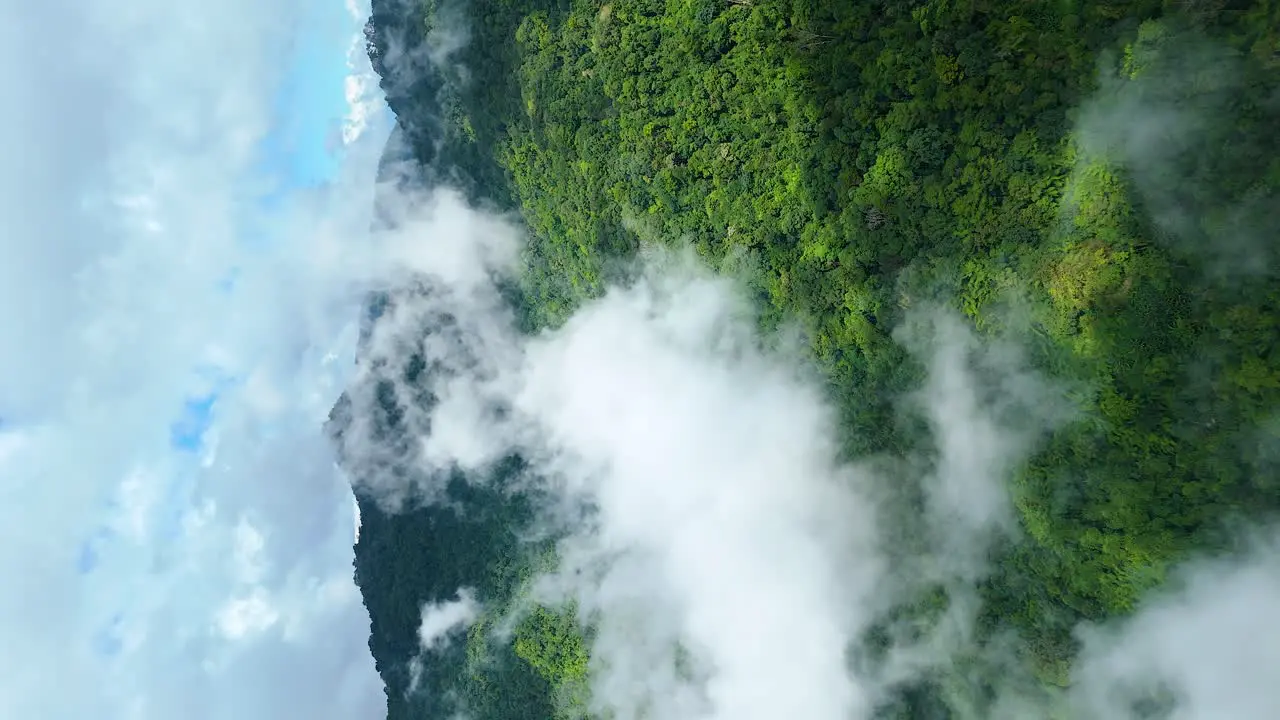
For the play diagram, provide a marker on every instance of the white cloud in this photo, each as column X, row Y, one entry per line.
column 440, row 619
column 355, row 521
column 435, row 629
column 251, row 613
column 713, row 471
column 365, row 104
column 1211, row 643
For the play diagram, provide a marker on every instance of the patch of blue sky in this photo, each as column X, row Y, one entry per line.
column 187, row 434
column 303, row 149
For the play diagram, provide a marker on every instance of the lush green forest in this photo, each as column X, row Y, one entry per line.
column 1099, row 179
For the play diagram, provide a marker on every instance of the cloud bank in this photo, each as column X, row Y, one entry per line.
column 365, row 105
column 151, row 572
column 1205, row 648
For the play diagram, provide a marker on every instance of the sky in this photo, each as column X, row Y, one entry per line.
column 327, row 101
column 183, row 189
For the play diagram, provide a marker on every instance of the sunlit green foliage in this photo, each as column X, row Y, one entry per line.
column 552, row 643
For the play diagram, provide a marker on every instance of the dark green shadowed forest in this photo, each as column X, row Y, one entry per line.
column 1097, row 181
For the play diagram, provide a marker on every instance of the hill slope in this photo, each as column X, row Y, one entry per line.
column 1096, row 179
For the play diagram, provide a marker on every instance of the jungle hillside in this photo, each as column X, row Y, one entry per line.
column 1097, row 181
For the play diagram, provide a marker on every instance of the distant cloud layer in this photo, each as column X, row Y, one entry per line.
column 360, row 87
column 154, row 573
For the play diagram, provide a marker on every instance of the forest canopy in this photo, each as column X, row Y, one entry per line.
column 1096, row 181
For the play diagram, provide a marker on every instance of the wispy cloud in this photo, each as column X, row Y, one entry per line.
column 440, row 619
column 360, row 87
column 1205, row 648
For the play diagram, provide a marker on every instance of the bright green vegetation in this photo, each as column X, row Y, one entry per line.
column 550, row 641
column 862, row 158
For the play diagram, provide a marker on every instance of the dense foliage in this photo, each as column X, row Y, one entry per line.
column 1097, row 178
